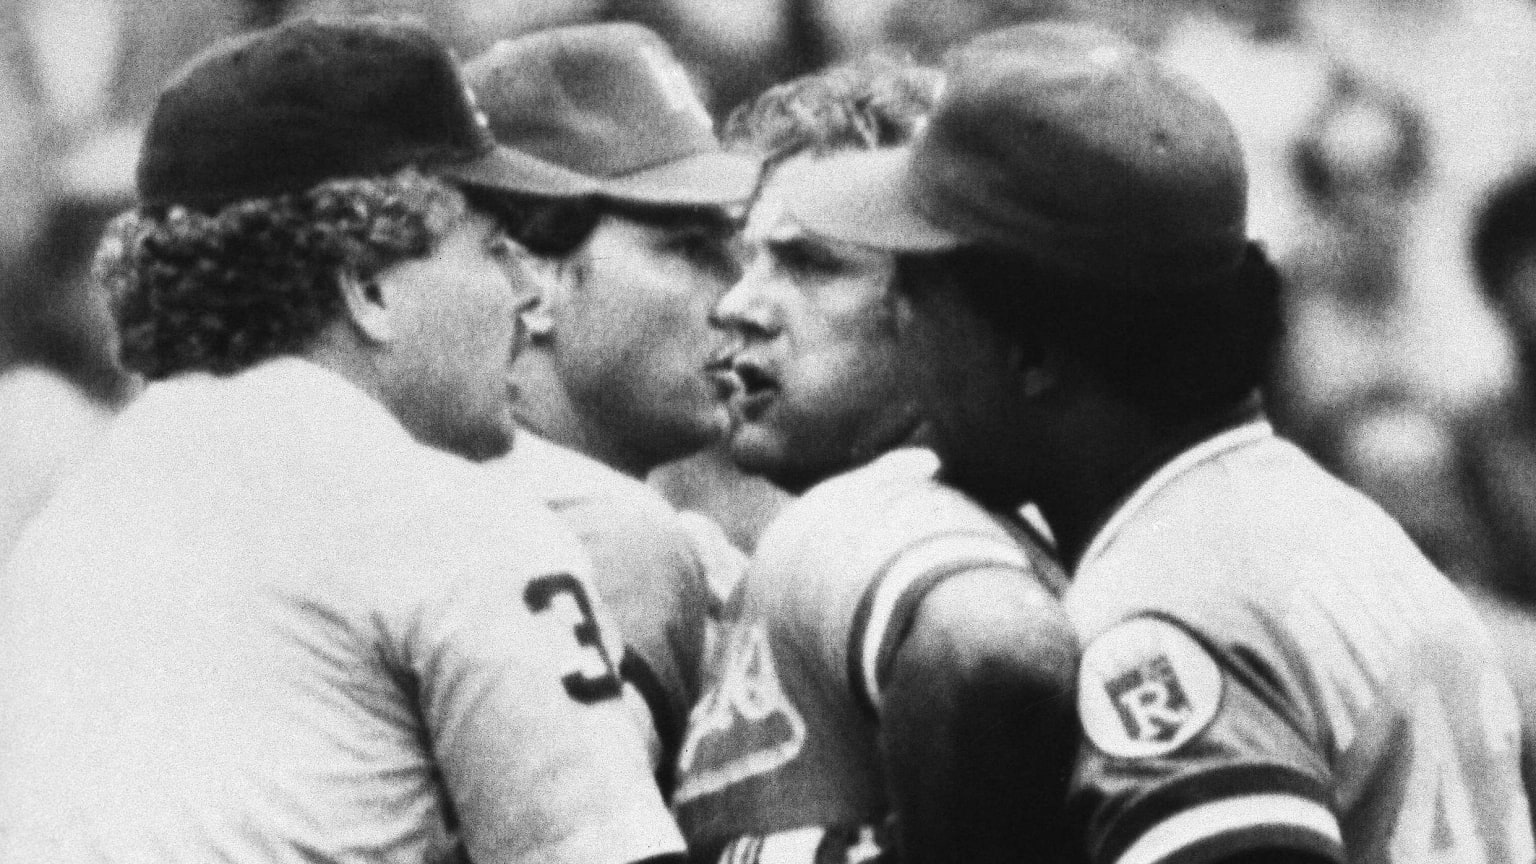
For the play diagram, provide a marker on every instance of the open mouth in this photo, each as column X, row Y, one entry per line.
column 743, row 383
column 753, row 388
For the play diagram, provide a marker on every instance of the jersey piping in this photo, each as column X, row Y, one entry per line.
column 892, row 599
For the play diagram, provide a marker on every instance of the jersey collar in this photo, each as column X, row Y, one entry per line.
column 1231, row 438
column 321, row 392
column 910, row 459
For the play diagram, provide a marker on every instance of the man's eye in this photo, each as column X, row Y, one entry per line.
column 805, row 259
column 692, row 246
column 708, row 251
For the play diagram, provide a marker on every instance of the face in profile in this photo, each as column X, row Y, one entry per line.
column 455, row 329
column 631, row 329
column 980, row 421
column 1504, row 256
column 817, row 377
column 1521, row 313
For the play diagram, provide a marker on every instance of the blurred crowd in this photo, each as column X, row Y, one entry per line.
column 1392, row 148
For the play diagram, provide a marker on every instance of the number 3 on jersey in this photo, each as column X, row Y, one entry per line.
column 563, row 597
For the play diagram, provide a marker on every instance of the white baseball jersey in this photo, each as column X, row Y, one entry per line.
column 46, row 423
column 653, row 567
column 786, row 735
column 1270, row 661
column 262, row 624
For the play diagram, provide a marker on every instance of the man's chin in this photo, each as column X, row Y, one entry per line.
column 671, row 438
column 718, row 426
column 481, row 444
column 752, row 455
column 986, row 487
column 775, row 463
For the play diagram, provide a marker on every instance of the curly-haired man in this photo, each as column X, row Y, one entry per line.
column 279, row 615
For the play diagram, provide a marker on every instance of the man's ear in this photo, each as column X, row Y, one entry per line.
column 551, row 278
column 1039, row 373
column 367, row 306
column 538, row 321
column 1037, row 381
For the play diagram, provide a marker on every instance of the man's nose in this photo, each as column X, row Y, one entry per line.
column 747, row 308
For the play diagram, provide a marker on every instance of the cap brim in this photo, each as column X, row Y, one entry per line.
column 865, row 198
column 503, row 169
column 703, row 179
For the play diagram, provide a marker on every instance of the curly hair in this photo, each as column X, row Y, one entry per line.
column 221, row 291
column 878, row 101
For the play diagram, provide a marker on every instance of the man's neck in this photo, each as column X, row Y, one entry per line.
column 909, row 431
column 336, row 351
column 545, row 408
column 1106, row 456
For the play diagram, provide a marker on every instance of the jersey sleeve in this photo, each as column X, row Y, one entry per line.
column 516, row 679
column 891, row 600
column 648, row 575
column 1190, row 754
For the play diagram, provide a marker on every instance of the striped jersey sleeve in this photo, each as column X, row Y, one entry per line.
column 893, row 595
column 1191, row 755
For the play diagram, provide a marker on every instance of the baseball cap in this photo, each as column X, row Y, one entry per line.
column 1063, row 143
column 314, row 99
column 612, row 102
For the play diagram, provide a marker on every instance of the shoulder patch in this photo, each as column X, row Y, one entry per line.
column 1146, row 687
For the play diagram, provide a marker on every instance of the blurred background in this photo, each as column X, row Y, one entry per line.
column 1392, row 147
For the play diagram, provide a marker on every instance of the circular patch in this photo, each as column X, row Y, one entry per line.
column 1146, row 688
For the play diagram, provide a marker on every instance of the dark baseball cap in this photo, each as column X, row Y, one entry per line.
column 1058, row 141
column 612, row 102
column 283, row 109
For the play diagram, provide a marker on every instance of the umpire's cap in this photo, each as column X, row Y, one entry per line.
column 1060, row 142
column 612, row 102
column 315, row 99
